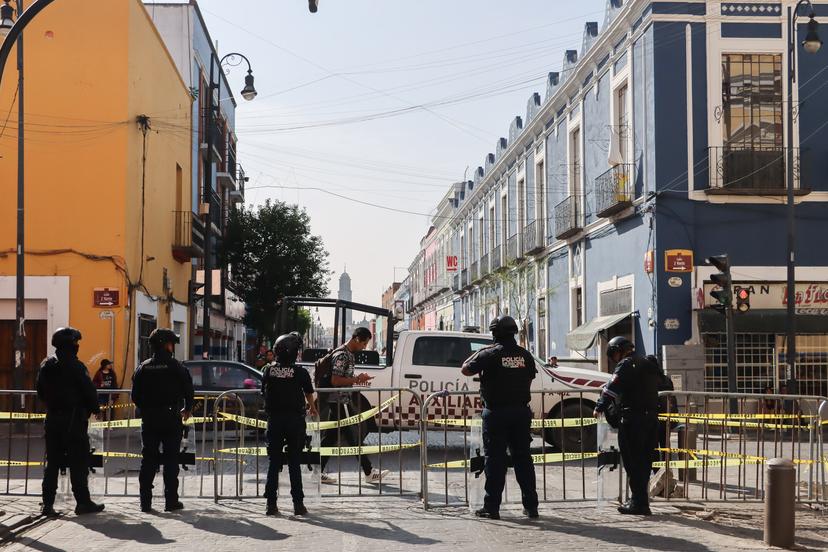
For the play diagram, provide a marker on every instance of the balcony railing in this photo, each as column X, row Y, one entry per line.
column 614, row 190
column 567, row 219
column 185, row 246
column 533, row 241
column 751, row 170
column 473, row 276
column 513, row 252
column 455, row 283
column 237, row 195
column 496, row 260
column 464, row 278
column 484, row 265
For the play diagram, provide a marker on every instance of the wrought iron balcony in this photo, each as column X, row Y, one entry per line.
column 567, row 218
column 752, row 170
column 614, row 190
column 513, row 251
column 496, row 261
column 533, row 241
column 186, row 243
column 464, row 278
column 455, row 283
column 473, row 277
column 484, row 265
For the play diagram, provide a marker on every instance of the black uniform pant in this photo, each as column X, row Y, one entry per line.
column 67, row 444
column 285, row 431
column 637, row 439
column 502, row 428
column 160, row 428
column 350, row 434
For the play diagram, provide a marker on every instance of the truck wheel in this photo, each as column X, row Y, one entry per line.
column 569, row 439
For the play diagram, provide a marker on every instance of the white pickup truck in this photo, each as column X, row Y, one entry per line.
column 429, row 361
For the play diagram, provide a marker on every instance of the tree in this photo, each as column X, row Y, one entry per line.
column 271, row 254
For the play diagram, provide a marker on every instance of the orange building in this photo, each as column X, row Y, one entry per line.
column 107, row 164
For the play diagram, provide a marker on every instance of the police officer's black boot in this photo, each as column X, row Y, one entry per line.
column 531, row 513
column 272, row 508
column 48, row 508
column 173, row 506
column 484, row 513
column 299, row 508
column 634, row 509
column 88, row 508
column 146, row 502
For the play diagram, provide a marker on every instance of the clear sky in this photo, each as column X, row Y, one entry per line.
column 386, row 102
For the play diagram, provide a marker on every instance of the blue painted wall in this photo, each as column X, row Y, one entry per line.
column 813, row 113
column 596, row 130
column 558, row 302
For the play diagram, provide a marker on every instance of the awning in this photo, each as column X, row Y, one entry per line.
column 772, row 321
column 583, row 337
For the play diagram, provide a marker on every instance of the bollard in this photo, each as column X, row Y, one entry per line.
column 687, row 439
column 779, row 503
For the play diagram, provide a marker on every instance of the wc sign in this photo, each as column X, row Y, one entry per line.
column 451, row 263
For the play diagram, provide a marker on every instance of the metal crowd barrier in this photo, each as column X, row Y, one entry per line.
column 566, row 471
column 362, row 419
column 724, row 439
column 115, row 437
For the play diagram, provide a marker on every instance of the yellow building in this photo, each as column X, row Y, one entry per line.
column 108, row 162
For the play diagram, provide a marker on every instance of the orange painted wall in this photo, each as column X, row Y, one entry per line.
column 91, row 67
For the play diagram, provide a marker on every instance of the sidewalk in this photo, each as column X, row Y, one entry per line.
column 388, row 524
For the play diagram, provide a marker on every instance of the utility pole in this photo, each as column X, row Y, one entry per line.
column 208, row 216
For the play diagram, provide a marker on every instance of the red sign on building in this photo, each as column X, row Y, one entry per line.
column 451, row 263
column 678, row 260
column 106, row 297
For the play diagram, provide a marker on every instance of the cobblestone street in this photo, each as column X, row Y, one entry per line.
column 388, row 524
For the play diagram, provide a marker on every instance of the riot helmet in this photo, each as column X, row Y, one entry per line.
column 503, row 326
column 161, row 336
column 66, row 338
column 619, row 344
column 287, row 347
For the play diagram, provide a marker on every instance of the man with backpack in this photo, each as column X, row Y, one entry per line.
column 336, row 369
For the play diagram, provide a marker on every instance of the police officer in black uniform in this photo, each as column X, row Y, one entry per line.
column 64, row 385
column 634, row 388
column 160, row 386
column 288, row 390
column 506, row 372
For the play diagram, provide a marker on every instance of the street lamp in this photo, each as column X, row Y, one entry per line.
column 811, row 44
column 248, row 93
column 6, row 18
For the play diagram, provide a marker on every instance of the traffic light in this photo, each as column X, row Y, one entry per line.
column 743, row 300
column 313, row 5
column 724, row 295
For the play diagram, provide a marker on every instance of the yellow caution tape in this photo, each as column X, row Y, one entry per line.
column 16, row 463
column 21, row 416
column 726, row 423
column 327, row 451
column 735, row 416
column 536, row 424
column 314, row 426
column 112, row 424
column 536, row 459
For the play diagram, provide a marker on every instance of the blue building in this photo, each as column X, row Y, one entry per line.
column 182, row 27
column 661, row 141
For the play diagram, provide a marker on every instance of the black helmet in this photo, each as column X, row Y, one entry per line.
column 161, row 336
column 503, row 325
column 65, row 338
column 287, row 346
column 619, row 344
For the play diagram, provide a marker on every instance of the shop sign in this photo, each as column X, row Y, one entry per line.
column 811, row 297
column 451, row 263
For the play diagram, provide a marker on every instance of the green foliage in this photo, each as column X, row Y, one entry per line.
column 272, row 254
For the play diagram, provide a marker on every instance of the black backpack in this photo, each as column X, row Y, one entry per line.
column 322, row 368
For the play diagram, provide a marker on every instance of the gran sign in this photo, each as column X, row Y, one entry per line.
column 811, row 298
